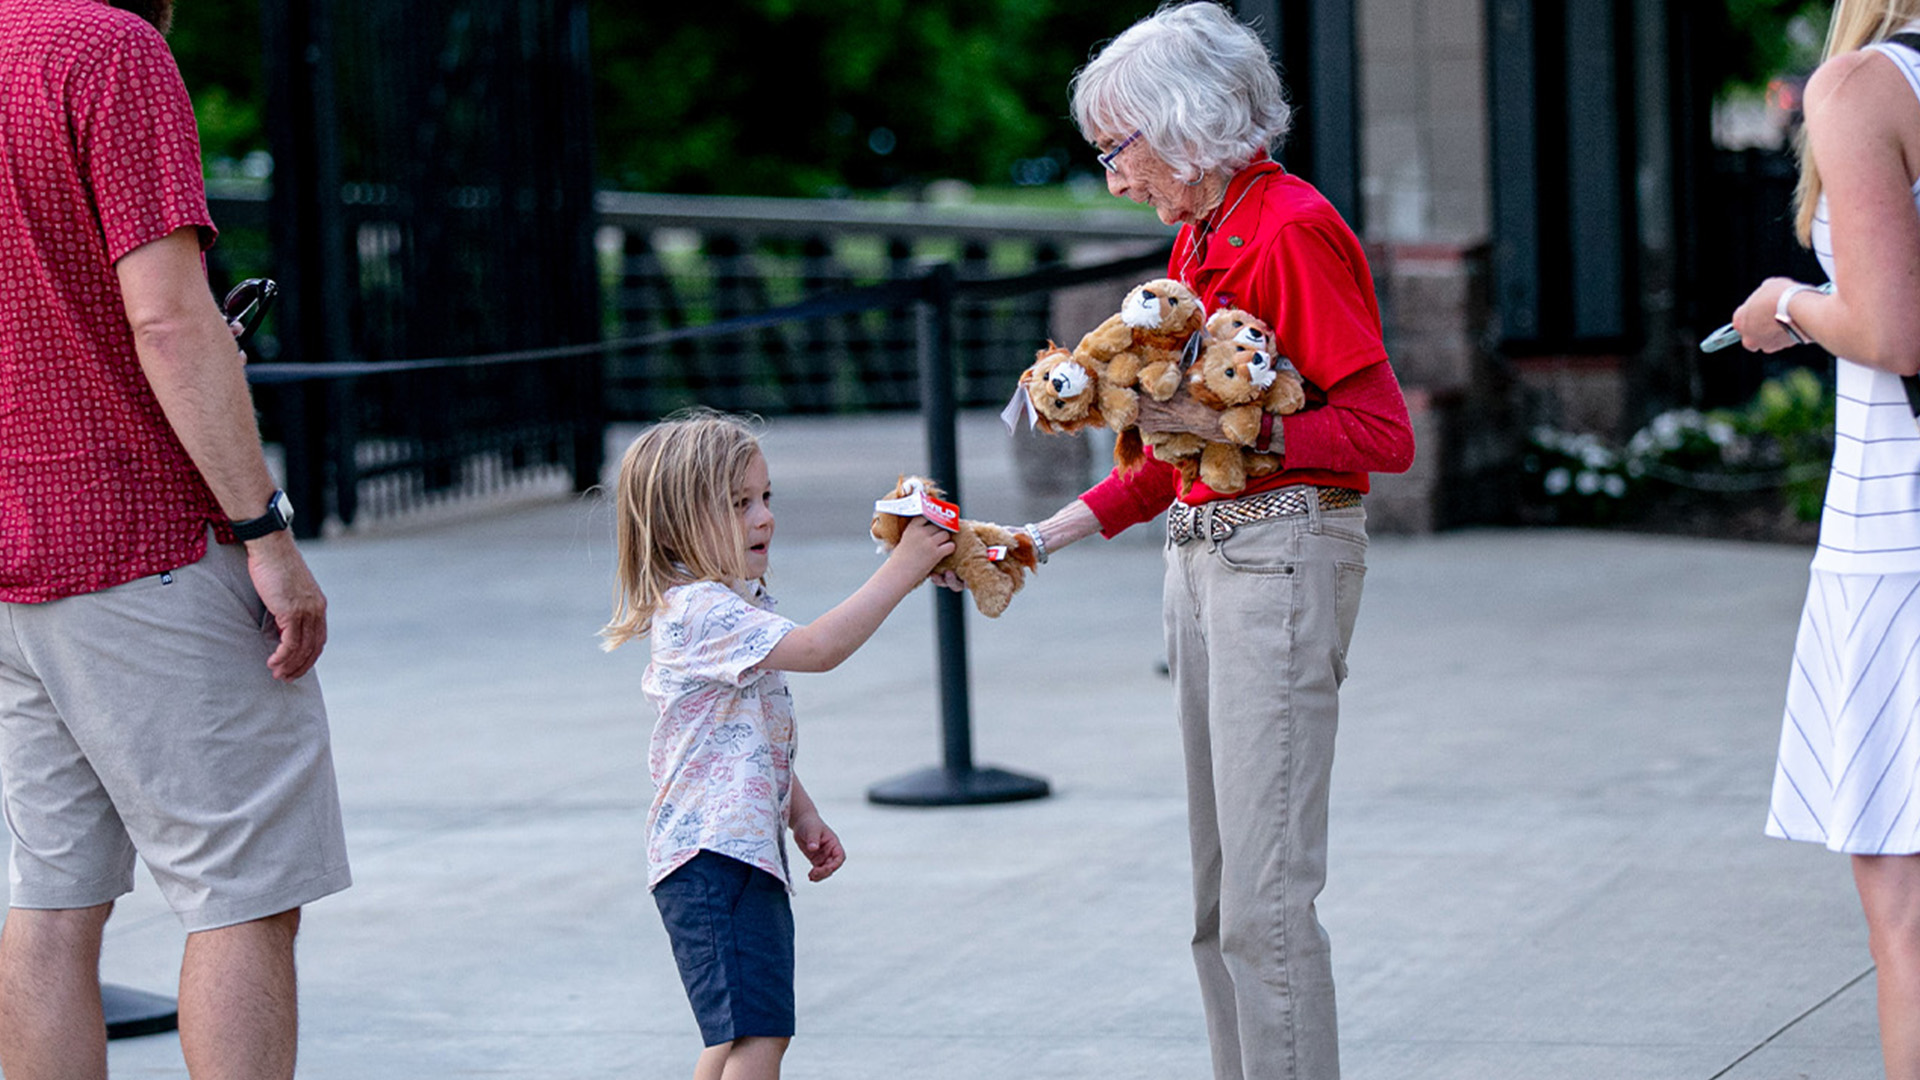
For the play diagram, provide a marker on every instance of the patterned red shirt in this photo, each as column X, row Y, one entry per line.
column 99, row 155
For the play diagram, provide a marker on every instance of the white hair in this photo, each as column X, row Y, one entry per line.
column 1198, row 84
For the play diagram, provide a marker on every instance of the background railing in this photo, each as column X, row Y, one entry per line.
column 678, row 261
column 459, row 427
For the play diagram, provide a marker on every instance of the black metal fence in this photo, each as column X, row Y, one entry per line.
column 433, row 197
column 1746, row 236
column 675, row 262
column 388, row 434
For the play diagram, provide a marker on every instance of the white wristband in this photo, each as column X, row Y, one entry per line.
column 1785, row 317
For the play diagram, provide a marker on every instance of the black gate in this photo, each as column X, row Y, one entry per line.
column 433, row 198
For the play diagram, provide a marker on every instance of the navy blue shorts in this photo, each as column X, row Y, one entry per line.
column 732, row 931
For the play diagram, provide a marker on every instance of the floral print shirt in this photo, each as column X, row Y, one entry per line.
column 722, row 751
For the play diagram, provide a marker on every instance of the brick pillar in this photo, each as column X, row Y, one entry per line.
column 1460, row 395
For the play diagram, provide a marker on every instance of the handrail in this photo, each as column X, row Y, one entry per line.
column 245, row 205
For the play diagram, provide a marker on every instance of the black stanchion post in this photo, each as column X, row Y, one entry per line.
column 955, row 781
column 132, row 1013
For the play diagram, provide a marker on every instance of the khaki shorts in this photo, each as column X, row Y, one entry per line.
column 142, row 718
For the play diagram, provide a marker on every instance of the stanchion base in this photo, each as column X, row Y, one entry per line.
column 133, row 1012
column 938, row 786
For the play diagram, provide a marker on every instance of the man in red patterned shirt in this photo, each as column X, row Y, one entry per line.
column 157, row 624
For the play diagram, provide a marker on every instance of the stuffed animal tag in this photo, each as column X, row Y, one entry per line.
column 1019, row 403
column 992, row 560
column 916, row 501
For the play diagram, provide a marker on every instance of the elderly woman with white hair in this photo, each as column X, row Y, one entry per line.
column 1262, row 586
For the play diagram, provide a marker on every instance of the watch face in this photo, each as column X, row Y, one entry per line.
column 283, row 505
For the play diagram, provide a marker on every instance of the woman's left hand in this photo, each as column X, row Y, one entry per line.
column 1759, row 330
column 1182, row 413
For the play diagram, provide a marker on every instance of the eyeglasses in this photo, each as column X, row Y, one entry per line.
column 247, row 304
column 1106, row 159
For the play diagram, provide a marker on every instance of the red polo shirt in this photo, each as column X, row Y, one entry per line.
column 1282, row 252
column 98, row 156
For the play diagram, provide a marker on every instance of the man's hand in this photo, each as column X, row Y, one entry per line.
column 293, row 599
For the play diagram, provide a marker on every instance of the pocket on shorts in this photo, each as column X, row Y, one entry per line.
column 692, row 902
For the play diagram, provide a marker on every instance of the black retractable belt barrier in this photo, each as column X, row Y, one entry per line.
column 956, row 781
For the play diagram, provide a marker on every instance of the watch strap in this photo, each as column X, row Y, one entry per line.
column 279, row 515
column 1784, row 317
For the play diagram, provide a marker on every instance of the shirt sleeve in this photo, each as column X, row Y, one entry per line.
column 712, row 634
column 138, row 145
column 1124, row 500
column 1321, row 318
column 1363, row 427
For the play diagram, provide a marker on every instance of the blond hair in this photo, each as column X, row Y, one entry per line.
column 1856, row 24
column 675, row 514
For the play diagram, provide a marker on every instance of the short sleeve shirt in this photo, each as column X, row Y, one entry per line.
column 101, row 156
column 723, row 746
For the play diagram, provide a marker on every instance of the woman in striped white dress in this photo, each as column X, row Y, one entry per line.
column 1849, row 767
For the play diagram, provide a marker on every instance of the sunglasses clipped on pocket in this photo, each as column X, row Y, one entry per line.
column 247, row 304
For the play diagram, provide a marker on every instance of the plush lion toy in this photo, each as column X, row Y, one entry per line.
column 991, row 559
column 1141, row 344
column 1138, row 348
column 1068, row 394
column 1238, row 374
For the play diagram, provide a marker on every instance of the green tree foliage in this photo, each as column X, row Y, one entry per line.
column 781, row 97
column 800, row 97
column 217, row 46
column 1774, row 37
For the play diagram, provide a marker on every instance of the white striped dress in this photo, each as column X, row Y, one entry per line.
column 1849, row 766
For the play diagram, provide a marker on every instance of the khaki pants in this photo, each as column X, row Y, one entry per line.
column 1258, row 625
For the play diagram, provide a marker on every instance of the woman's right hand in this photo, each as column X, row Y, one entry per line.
column 1759, row 330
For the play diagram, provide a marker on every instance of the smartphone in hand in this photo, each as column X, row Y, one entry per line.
column 1727, row 335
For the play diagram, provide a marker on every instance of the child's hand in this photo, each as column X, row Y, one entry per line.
column 820, row 845
column 922, row 545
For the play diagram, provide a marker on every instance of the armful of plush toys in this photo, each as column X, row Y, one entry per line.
column 992, row 560
column 1162, row 344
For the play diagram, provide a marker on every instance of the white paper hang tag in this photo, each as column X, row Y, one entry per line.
column 996, row 552
column 917, row 503
column 1016, row 405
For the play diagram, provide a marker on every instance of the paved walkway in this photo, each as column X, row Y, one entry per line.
column 1546, row 850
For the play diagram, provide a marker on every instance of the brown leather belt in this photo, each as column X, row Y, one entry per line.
column 1216, row 520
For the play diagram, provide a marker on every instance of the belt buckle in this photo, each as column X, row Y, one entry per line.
column 1218, row 528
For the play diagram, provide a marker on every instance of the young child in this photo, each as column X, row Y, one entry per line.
column 695, row 525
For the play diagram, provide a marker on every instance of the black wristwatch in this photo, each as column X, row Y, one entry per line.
column 279, row 515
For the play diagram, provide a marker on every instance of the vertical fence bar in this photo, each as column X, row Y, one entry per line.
column 956, row 781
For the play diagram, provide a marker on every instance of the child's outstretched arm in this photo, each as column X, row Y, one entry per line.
column 820, row 844
column 826, row 641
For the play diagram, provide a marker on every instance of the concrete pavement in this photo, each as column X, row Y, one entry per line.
column 1546, row 854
